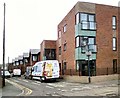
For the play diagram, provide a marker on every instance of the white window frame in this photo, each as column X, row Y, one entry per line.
column 65, row 28
column 114, row 44
column 114, row 22
column 34, row 57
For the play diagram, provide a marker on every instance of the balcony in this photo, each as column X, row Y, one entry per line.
column 88, row 25
column 92, row 48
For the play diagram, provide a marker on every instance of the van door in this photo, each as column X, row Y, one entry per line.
column 55, row 70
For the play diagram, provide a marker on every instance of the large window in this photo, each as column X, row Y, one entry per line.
column 50, row 54
column 87, row 21
column 114, row 44
column 114, row 22
column 82, row 41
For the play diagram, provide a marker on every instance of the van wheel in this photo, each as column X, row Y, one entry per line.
column 31, row 78
column 41, row 79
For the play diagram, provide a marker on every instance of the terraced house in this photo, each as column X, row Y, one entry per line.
column 89, row 32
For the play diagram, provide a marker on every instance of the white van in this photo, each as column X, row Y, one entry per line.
column 16, row 72
column 45, row 70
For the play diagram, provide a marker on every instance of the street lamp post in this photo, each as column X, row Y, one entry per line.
column 88, row 53
column 3, row 80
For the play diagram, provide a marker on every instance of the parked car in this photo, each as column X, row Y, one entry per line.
column 16, row 72
column 7, row 74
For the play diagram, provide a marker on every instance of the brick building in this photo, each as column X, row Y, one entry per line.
column 34, row 56
column 48, row 50
column 89, row 28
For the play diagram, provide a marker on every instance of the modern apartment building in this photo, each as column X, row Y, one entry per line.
column 89, row 30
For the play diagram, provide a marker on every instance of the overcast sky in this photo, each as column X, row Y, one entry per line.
column 28, row 22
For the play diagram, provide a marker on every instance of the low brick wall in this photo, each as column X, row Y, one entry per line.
column 84, row 79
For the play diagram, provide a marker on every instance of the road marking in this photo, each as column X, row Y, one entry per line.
column 19, row 79
column 15, row 80
column 49, row 87
column 25, row 80
column 55, row 85
column 21, row 87
column 35, row 83
column 38, row 82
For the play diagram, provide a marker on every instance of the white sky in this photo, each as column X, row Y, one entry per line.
column 28, row 22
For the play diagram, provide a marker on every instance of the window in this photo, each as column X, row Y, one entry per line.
column 59, row 34
column 114, row 44
column 65, row 46
column 114, row 22
column 77, row 41
column 21, row 62
column 65, row 65
column 34, row 58
column 114, row 65
column 87, row 21
column 17, row 63
column 13, row 64
column 60, row 50
column 77, row 65
column 65, row 28
column 91, row 41
column 77, row 18
column 26, row 60
column 83, row 17
column 50, row 54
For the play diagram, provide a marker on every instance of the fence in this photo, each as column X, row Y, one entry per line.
column 97, row 71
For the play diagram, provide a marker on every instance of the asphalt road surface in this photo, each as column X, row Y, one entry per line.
column 62, row 88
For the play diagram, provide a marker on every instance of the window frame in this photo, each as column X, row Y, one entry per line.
column 77, row 37
column 59, row 34
column 65, row 28
column 114, row 44
column 77, row 18
column 33, row 58
column 60, row 50
column 114, row 26
column 114, row 65
column 65, row 46
column 87, row 22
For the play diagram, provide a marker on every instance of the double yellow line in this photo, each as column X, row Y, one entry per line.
column 25, row 91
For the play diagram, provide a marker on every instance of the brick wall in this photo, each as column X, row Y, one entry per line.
column 104, row 35
column 67, row 37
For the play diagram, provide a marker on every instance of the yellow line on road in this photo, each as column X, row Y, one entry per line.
column 21, row 87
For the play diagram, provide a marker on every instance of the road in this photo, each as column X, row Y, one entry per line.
column 62, row 88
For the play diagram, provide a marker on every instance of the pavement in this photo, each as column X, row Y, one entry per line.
column 10, row 90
